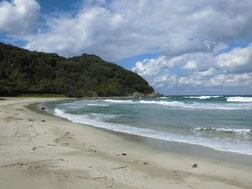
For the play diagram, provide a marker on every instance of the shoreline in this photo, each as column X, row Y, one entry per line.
column 183, row 148
column 44, row 151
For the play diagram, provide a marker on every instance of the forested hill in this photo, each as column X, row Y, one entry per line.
column 26, row 72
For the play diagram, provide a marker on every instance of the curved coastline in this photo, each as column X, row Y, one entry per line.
column 53, row 151
column 177, row 147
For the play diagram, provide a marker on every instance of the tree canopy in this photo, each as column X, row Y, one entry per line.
column 26, row 72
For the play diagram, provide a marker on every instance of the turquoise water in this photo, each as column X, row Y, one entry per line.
column 222, row 123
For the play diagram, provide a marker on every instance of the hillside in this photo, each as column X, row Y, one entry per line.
column 26, row 72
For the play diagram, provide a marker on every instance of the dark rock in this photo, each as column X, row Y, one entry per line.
column 67, row 133
column 43, row 120
column 195, row 165
column 42, row 108
column 154, row 95
column 124, row 154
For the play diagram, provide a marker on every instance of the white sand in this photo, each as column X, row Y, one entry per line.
column 60, row 154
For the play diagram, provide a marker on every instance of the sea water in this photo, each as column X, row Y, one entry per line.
column 219, row 122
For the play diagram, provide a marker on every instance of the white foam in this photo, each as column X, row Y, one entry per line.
column 97, row 105
column 198, row 105
column 239, row 99
column 204, row 97
column 102, row 117
column 236, row 131
column 164, row 97
column 223, row 145
column 165, row 103
column 194, row 105
column 119, row 101
column 227, row 130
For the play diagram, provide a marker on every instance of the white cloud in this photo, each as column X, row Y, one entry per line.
column 209, row 72
column 191, row 65
column 239, row 59
column 118, row 29
column 150, row 67
column 231, row 80
column 18, row 16
column 201, row 72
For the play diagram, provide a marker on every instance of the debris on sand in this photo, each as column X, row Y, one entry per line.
column 195, row 165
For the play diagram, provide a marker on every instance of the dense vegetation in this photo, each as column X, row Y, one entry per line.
column 26, row 72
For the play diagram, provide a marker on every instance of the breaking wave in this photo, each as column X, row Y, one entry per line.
column 239, row 99
column 189, row 105
column 204, row 97
column 98, row 121
column 224, row 130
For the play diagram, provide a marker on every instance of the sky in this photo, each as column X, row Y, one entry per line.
column 199, row 47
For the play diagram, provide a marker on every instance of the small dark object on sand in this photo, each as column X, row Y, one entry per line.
column 67, row 133
column 195, row 165
column 43, row 120
column 42, row 108
column 124, row 154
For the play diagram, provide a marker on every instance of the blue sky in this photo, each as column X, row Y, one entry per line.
column 49, row 6
column 182, row 47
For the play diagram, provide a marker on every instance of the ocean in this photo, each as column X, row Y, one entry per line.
column 220, row 122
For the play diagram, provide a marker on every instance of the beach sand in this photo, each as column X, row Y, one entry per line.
column 41, row 151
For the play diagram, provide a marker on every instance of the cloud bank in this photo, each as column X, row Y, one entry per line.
column 119, row 29
column 200, row 72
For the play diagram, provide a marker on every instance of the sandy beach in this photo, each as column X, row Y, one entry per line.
column 40, row 151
